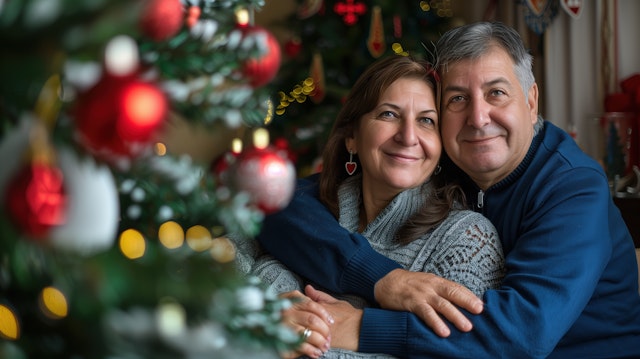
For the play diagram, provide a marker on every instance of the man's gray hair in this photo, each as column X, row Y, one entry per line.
column 473, row 40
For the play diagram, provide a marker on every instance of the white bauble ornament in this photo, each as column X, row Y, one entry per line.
column 93, row 206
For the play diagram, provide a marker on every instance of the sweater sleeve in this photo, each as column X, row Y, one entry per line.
column 552, row 271
column 308, row 239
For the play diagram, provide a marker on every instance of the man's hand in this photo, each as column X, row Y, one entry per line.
column 345, row 331
column 428, row 296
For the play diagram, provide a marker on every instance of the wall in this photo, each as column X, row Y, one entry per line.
column 576, row 86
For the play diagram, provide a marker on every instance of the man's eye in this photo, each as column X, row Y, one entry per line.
column 457, row 103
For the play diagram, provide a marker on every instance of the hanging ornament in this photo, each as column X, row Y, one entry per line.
column 293, row 46
column 397, row 26
column 309, row 8
column 265, row 174
column 350, row 10
column 375, row 42
column 35, row 198
column 119, row 116
column 572, row 7
column 93, row 210
column 161, row 19
column 316, row 73
column 538, row 14
column 260, row 70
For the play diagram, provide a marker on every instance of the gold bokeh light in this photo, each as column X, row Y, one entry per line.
column 9, row 326
column 198, row 238
column 171, row 235
column 132, row 244
column 53, row 303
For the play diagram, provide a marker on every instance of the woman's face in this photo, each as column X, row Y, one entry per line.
column 398, row 142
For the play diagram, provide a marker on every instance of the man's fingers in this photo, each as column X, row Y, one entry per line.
column 463, row 298
column 433, row 321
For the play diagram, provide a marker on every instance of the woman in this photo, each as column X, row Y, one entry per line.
column 379, row 178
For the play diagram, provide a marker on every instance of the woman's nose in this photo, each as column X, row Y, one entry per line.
column 407, row 133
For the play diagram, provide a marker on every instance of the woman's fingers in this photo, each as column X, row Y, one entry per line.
column 309, row 319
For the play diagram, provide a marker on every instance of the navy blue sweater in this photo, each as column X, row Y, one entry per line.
column 571, row 288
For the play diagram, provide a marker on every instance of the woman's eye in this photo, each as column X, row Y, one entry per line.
column 387, row 114
column 427, row 121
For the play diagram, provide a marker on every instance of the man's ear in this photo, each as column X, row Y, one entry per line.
column 532, row 100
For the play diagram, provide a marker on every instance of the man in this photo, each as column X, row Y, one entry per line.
column 571, row 289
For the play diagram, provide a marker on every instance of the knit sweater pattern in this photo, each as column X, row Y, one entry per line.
column 464, row 248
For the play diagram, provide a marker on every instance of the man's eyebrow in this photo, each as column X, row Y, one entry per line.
column 499, row 80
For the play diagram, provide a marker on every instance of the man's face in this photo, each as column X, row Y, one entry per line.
column 487, row 121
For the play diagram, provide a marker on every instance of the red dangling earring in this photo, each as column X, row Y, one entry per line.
column 350, row 166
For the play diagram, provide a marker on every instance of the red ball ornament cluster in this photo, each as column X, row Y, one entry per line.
column 261, row 70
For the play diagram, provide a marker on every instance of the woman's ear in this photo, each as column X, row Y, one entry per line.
column 350, row 143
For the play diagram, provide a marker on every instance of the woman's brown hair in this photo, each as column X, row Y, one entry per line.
column 363, row 98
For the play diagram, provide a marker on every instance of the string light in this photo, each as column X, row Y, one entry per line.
column 132, row 244
column 53, row 303
column 171, row 235
column 9, row 326
column 198, row 238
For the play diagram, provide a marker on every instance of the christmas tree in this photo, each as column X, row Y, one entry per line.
column 327, row 45
column 112, row 243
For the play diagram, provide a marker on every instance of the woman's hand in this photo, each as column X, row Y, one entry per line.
column 428, row 296
column 345, row 332
column 312, row 321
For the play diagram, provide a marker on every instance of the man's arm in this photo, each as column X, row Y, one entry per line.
column 308, row 239
column 553, row 270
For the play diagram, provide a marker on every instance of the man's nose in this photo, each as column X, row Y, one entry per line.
column 478, row 115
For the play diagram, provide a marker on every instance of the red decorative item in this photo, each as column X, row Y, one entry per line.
column 292, row 47
column 119, row 115
column 161, row 19
column 263, row 69
column 36, row 200
column 375, row 42
column 572, row 7
column 193, row 15
column 267, row 176
column 350, row 10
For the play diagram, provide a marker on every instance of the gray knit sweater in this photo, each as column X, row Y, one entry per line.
column 465, row 248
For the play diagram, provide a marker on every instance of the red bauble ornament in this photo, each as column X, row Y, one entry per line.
column 120, row 115
column 36, row 199
column 263, row 69
column 292, row 47
column 161, row 19
column 268, row 176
